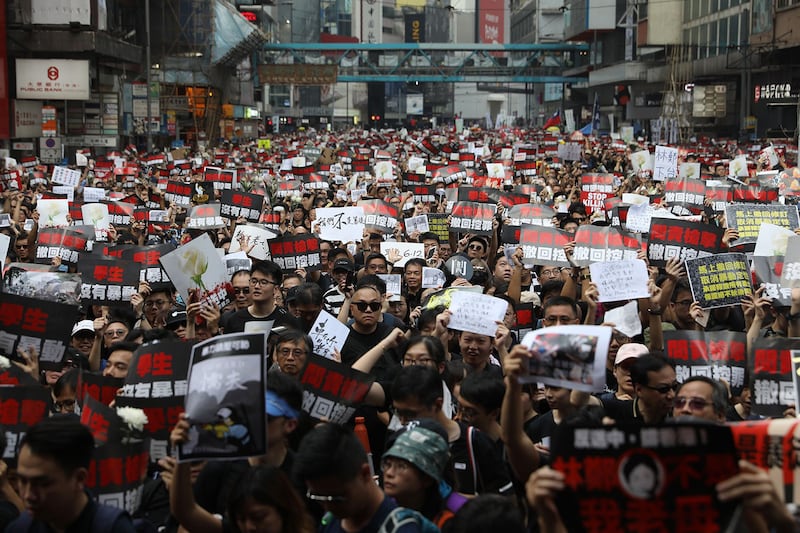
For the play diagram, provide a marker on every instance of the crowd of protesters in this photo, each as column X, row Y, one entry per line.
column 452, row 433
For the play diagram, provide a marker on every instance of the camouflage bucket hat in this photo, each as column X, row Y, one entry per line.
column 423, row 448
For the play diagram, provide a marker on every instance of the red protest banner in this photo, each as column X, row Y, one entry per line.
column 332, row 390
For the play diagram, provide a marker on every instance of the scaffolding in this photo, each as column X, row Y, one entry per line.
column 675, row 126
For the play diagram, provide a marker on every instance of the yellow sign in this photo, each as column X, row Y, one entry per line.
column 264, row 144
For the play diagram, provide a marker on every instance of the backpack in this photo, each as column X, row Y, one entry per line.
column 104, row 518
column 402, row 516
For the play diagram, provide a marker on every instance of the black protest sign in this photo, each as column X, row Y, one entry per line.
column 747, row 219
column 293, row 252
column 525, row 169
column 178, row 193
column 641, row 478
column 20, row 407
column 595, row 188
column 100, row 388
column 120, row 459
column 472, row 217
column 449, row 174
column 437, row 223
column 719, row 280
column 225, row 398
column 685, row 196
column 221, row 178
column 379, row 215
column 332, row 390
column 510, row 234
column 771, row 372
column 107, row 281
column 544, row 246
column 539, row 215
column 235, row 204
column 596, row 244
column 119, row 213
column 769, row 272
column 206, row 216
column 720, row 355
column 288, row 188
column 412, row 179
column 64, row 243
column 423, row 193
column 156, row 383
column 672, row 238
column 148, row 259
column 525, row 319
column 43, row 325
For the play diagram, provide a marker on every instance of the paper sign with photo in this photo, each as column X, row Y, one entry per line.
column 394, row 285
column 790, row 275
column 197, row 267
column 97, row 216
column 620, row 280
column 345, row 224
column 625, row 319
column 573, row 357
column 738, row 167
column 245, row 236
column 772, row 240
column 328, row 335
column 418, row 224
column 403, row 250
column 641, row 160
column 689, row 170
column 476, row 313
column 432, row 278
column 53, row 213
column 495, row 170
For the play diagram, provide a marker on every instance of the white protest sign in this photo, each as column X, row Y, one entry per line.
column 772, row 240
column 432, row 278
column 97, row 216
column 328, row 335
column 402, row 251
column 81, row 160
column 53, row 213
column 630, row 198
column 625, row 319
column 639, row 217
column 5, row 241
column 689, row 170
column 771, row 156
column 620, row 280
column 641, row 160
column 495, row 170
column 246, row 236
column 666, row 163
column 356, row 194
column 66, row 190
column 66, row 176
column 384, row 171
column 415, row 163
column 345, row 224
column 195, row 266
column 159, row 215
column 394, row 285
column 93, row 194
column 259, row 326
column 738, row 167
column 476, row 313
column 418, row 223
column 569, row 151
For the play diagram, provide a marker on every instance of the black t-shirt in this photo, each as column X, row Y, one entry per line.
column 622, row 410
column 358, row 344
column 542, row 426
column 483, row 470
column 279, row 316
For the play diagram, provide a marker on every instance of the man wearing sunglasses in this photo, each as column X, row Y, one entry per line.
column 367, row 328
column 701, row 397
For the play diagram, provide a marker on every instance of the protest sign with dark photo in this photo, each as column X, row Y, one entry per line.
column 156, row 383
column 332, row 390
column 568, row 356
column 719, row 355
column 672, row 238
column 747, row 219
column 225, row 398
column 771, row 372
column 641, row 478
column 37, row 281
column 719, row 280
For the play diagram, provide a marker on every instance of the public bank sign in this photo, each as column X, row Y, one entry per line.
column 52, row 79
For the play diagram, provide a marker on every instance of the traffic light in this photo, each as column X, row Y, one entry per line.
column 375, row 118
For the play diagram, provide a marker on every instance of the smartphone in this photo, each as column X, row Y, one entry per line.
column 432, row 251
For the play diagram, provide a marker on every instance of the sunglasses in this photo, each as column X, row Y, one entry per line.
column 241, row 290
column 664, row 389
column 695, row 404
column 363, row 306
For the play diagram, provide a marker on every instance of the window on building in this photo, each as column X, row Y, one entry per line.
column 712, row 39
column 733, row 31
column 744, row 26
column 723, row 5
column 702, row 40
column 723, row 34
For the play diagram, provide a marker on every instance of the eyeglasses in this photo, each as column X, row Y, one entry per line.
column 241, row 290
column 421, row 361
column 664, row 389
column 155, row 303
column 560, row 319
column 262, row 282
column 324, row 498
column 695, row 404
column 115, row 333
column 554, row 272
column 363, row 306
column 399, row 466
column 684, row 303
column 21, row 246
column 66, row 405
column 297, row 352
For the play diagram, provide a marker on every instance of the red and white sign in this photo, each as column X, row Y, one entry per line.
column 491, row 21
column 52, row 79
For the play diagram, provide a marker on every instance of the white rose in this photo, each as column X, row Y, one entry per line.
column 134, row 418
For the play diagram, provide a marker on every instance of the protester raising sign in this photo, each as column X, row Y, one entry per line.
column 225, row 398
column 620, row 280
column 595, row 188
column 345, row 224
column 331, row 390
column 476, row 313
column 235, row 204
column 156, row 384
column 671, row 238
column 64, row 243
column 685, row 196
column 568, row 356
column 719, row 280
column 328, row 335
column 538, row 215
column 719, row 355
column 594, row 244
column 379, row 215
column 771, row 371
column 543, row 246
column 293, row 252
column 106, row 281
column 747, row 219
column 633, row 478
column 472, row 217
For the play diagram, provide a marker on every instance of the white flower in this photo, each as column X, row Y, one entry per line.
column 134, row 418
column 5, row 363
